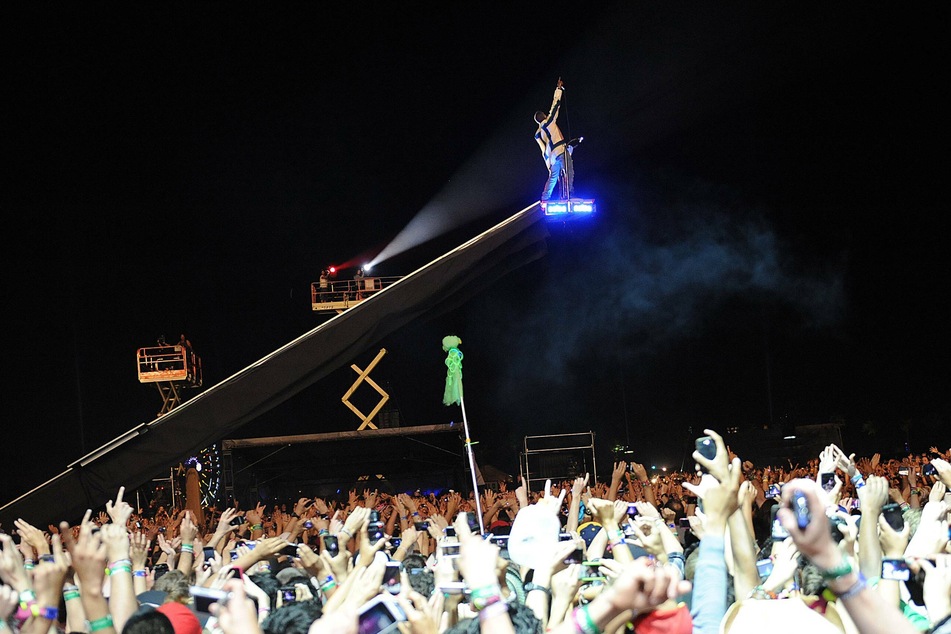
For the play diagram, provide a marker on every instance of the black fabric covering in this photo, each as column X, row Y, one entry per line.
column 149, row 449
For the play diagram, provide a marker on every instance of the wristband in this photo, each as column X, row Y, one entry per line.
column 843, row 569
column 101, row 624
column 759, row 592
column 70, row 595
column 28, row 564
column 483, row 597
column 140, row 573
column 531, row 587
column 584, row 622
column 349, row 534
column 916, row 492
column 27, row 598
column 492, row 610
column 257, row 527
column 120, row 562
column 856, row 588
column 48, row 613
column 415, row 514
column 122, row 568
column 323, row 532
column 858, row 481
column 188, row 548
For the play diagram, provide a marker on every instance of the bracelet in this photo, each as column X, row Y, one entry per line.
column 140, row 573
column 531, row 587
column 916, row 492
column 415, row 514
column 70, row 595
column 584, row 622
column 349, row 534
column 493, row 610
column 101, row 624
column 759, row 592
column 27, row 598
column 48, row 613
column 323, row 532
column 481, row 598
column 936, row 627
column 856, row 588
column 188, row 548
column 843, row 569
column 122, row 568
column 257, row 527
column 120, row 562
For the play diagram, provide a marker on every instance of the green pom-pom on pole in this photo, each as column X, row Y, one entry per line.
column 453, row 396
column 453, row 393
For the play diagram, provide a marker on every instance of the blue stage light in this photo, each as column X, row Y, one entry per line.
column 575, row 206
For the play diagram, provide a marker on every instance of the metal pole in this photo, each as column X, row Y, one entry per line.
column 472, row 468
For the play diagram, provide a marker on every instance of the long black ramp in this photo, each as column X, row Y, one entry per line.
column 134, row 458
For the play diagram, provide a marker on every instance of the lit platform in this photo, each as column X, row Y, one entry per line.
column 568, row 208
column 339, row 296
column 168, row 363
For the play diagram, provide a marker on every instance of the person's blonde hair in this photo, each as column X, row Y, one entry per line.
column 175, row 585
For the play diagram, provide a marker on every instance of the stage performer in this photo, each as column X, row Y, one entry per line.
column 553, row 145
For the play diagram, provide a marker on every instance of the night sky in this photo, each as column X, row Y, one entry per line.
column 770, row 246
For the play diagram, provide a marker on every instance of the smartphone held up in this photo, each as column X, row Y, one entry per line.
column 706, row 447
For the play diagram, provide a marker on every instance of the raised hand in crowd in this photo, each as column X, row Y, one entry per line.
column 120, row 510
column 32, row 537
column 89, row 556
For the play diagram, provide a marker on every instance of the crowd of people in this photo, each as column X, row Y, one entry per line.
column 839, row 545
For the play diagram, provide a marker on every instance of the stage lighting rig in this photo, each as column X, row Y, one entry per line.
column 572, row 207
